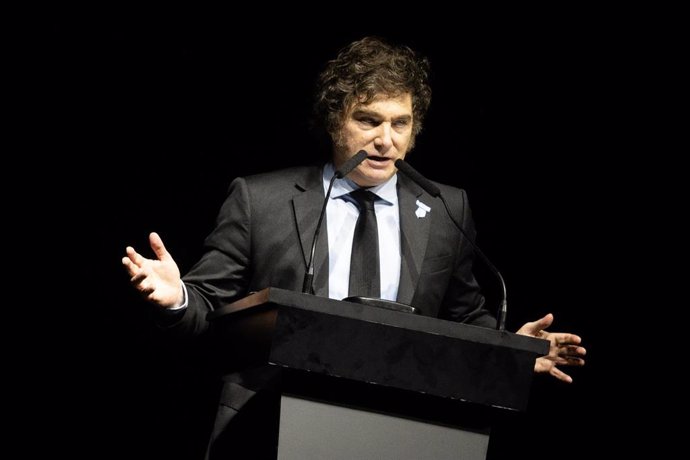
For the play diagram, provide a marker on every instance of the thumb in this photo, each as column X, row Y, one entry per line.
column 158, row 247
column 542, row 323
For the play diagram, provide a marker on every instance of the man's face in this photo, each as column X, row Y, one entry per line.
column 382, row 127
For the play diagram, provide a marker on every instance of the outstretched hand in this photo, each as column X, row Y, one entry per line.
column 565, row 349
column 157, row 280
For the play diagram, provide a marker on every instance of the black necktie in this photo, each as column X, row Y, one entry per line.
column 364, row 262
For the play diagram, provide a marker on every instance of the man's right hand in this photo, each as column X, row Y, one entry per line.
column 157, row 280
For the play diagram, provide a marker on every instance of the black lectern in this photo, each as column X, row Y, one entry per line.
column 365, row 382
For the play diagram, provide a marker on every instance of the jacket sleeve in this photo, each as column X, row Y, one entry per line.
column 463, row 300
column 220, row 276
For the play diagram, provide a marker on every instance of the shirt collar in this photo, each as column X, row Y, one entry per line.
column 386, row 191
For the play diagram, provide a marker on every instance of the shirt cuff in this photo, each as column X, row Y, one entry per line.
column 185, row 301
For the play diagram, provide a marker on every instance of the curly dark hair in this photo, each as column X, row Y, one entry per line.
column 364, row 69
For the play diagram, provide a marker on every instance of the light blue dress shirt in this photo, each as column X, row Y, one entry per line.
column 341, row 215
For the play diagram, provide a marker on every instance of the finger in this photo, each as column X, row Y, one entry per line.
column 138, row 277
column 565, row 338
column 129, row 266
column 565, row 360
column 132, row 268
column 575, row 361
column 539, row 325
column 141, row 284
column 570, row 355
column 572, row 350
column 158, row 247
column 572, row 358
column 545, row 321
column 136, row 258
column 560, row 375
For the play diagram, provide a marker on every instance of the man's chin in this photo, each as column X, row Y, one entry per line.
column 373, row 177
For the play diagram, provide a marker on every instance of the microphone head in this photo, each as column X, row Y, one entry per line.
column 351, row 164
column 422, row 181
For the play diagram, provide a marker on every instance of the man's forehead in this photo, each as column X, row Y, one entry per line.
column 382, row 97
column 382, row 102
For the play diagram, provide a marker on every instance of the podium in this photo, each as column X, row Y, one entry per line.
column 371, row 383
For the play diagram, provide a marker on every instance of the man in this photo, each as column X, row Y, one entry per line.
column 372, row 97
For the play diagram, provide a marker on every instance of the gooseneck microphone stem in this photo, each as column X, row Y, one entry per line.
column 309, row 275
column 434, row 191
column 503, row 307
column 343, row 171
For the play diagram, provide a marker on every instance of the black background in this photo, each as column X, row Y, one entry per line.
column 154, row 117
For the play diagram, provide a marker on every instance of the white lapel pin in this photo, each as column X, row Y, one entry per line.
column 422, row 209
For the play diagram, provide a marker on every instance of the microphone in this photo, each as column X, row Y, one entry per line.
column 343, row 171
column 422, row 181
column 434, row 191
column 349, row 165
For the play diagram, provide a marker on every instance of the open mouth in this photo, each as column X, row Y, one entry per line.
column 378, row 158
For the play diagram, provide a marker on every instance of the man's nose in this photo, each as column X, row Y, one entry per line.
column 383, row 140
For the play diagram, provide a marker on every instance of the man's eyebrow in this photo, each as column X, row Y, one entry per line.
column 373, row 114
column 405, row 117
column 370, row 113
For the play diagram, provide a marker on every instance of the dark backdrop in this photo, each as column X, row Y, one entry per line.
column 157, row 116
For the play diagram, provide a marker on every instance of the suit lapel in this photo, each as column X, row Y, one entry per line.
column 414, row 235
column 307, row 207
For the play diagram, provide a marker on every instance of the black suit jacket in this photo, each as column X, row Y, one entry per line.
column 263, row 238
